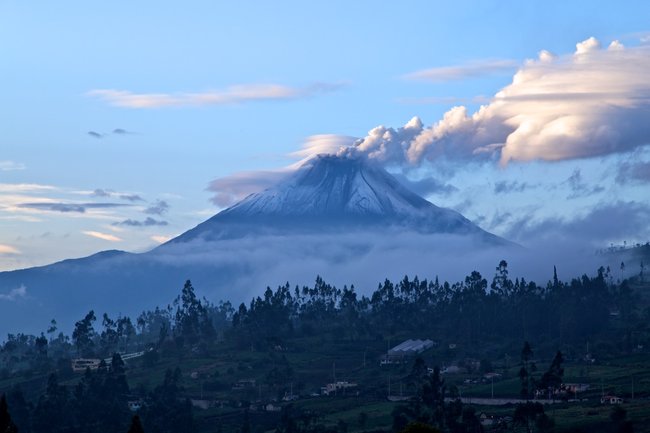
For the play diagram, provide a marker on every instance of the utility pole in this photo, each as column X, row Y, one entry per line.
column 389, row 385
column 492, row 387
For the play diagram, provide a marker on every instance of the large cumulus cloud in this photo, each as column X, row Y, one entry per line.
column 589, row 103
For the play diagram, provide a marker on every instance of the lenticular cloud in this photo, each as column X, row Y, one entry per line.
column 589, row 103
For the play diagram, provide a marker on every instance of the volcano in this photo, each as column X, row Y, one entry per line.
column 339, row 217
column 332, row 193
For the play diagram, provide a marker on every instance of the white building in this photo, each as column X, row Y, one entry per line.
column 405, row 350
column 333, row 388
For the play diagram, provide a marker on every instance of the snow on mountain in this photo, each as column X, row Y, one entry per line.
column 334, row 186
column 333, row 193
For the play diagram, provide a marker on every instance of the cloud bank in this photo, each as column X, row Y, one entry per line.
column 600, row 225
column 362, row 258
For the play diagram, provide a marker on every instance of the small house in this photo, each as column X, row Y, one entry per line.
column 79, row 365
column 610, row 399
column 334, row 388
column 135, row 405
column 270, row 407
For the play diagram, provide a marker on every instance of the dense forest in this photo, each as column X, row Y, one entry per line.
column 586, row 318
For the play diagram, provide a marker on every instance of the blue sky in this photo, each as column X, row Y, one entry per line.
column 233, row 87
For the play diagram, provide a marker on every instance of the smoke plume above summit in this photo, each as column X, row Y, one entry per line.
column 585, row 104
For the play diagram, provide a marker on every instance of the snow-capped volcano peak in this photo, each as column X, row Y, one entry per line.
column 334, row 193
column 333, row 186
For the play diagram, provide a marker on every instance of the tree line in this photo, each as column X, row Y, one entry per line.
column 473, row 312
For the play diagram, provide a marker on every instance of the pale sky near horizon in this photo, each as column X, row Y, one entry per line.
column 118, row 116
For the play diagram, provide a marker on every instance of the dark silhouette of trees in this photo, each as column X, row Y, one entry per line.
column 618, row 416
column 418, row 427
column 136, row 425
column 531, row 415
column 191, row 319
column 552, row 379
column 83, row 335
column 168, row 412
column 526, row 370
column 54, row 411
column 20, row 409
column 6, row 424
column 467, row 312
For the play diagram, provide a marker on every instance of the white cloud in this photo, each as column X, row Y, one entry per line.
column 103, row 236
column 24, row 187
column 19, row 292
column 587, row 46
column 323, row 144
column 8, row 249
column 24, row 218
column 468, row 70
column 616, row 45
column 232, row 95
column 589, row 103
column 230, row 189
column 11, row 165
column 546, row 56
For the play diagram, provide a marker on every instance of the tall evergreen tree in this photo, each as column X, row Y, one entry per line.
column 527, row 367
column 552, row 379
column 83, row 334
column 20, row 409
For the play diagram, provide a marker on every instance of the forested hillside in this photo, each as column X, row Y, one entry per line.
column 198, row 366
